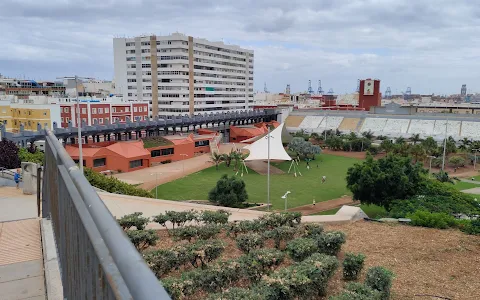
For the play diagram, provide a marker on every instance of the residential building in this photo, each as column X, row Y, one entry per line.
column 179, row 74
column 25, row 88
column 46, row 111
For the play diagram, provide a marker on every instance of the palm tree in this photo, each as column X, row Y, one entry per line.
column 400, row 140
column 418, row 152
column 465, row 143
column 415, row 138
column 368, row 134
column 217, row 159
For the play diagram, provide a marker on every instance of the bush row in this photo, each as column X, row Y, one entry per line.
column 198, row 254
column 301, row 280
column 113, row 185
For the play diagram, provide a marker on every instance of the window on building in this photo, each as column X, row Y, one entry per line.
column 136, row 163
column 114, row 109
column 107, row 120
column 145, row 118
column 67, row 119
column 84, row 120
column 202, row 143
column 65, row 109
column 95, row 121
column 100, row 121
column 135, row 109
column 127, row 109
column 162, row 152
column 63, row 121
column 99, row 162
column 84, row 110
column 76, row 161
column 100, row 110
column 107, row 110
column 94, row 110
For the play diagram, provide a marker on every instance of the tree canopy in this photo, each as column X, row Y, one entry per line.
column 9, row 155
column 229, row 191
column 303, row 148
column 382, row 181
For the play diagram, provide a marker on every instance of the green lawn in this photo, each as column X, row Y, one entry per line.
column 461, row 185
column 303, row 188
column 373, row 211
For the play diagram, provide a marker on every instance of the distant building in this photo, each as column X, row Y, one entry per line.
column 179, row 74
column 24, row 88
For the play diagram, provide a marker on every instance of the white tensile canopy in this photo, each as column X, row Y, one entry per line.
column 259, row 149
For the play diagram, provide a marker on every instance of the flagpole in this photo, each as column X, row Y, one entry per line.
column 268, row 168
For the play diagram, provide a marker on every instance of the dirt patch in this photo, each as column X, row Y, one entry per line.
column 323, row 206
column 425, row 261
column 261, row 168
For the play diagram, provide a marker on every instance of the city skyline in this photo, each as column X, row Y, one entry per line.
column 430, row 47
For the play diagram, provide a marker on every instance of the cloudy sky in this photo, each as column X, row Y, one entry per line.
column 432, row 46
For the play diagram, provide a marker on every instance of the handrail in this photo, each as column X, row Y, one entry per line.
column 127, row 274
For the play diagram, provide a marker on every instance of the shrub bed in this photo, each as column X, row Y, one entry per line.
column 352, row 266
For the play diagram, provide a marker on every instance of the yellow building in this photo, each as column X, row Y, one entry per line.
column 12, row 115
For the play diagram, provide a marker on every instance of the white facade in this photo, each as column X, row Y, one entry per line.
column 192, row 75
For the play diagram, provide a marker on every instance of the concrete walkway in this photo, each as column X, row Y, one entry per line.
column 21, row 258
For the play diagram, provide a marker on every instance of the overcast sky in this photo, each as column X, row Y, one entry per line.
column 432, row 46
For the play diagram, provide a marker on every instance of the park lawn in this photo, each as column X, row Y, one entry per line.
column 372, row 211
column 462, row 185
column 477, row 178
column 303, row 188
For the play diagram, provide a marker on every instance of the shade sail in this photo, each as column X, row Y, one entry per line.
column 259, row 149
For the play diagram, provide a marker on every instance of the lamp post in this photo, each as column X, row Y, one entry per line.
column 156, row 184
column 183, row 162
column 475, row 158
column 445, row 145
column 430, row 169
column 285, row 197
column 268, row 137
column 79, row 121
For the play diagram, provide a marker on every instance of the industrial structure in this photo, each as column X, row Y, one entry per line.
column 179, row 74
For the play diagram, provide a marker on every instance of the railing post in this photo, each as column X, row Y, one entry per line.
column 39, row 180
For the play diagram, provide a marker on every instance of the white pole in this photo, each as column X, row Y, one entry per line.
column 325, row 131
column 444, row 146
column 286, row 202
column 268, row 168
column 79, row 126
column 156, row 185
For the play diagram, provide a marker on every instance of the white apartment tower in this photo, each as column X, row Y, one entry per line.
column 179, row 74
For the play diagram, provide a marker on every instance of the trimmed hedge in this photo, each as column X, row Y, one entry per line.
column 330, row 242
column 357, row 291
column 432, row 220
column 142, row 239
column 301, row 248
column 380, row 279
column 352, row 266
column 250, row 241
column 282, row 233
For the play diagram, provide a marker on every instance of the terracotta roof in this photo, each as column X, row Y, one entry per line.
column 129, row 149
column 186, row 140
column 73, row 151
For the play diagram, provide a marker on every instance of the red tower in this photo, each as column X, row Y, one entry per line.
column 369, row 94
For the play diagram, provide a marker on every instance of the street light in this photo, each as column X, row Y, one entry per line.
column 445, row 145
column 156, row 183
column 430, row 169
column 183, row 163
column 79, row 121
column 285, row 197
column 475, row 159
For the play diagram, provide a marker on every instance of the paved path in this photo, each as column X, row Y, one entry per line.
column 171, row 171
column 21, row 260
column 469, row 180
column 323, row 206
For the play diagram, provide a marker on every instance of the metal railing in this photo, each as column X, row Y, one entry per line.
column 97, row 261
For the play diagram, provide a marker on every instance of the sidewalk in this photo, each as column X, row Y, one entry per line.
column 21, row 258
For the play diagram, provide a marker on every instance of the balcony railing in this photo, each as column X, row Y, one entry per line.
column 97, row 261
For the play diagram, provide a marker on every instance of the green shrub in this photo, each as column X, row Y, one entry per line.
column 279, row 234
column 235, row 293
column 301, row 248
column 184, row 233
column 245, row 226
column 304, row 280
column 260, row 262
column 470, row 226
column 113, row 185
column 352, row 266
column 162, row 261
column 456, row 161
column 249, row 241
column 330, row 242
column 179, row 288
column 177, row 218
column 432, row 220
column 380, row 279
column 208, row 231
column 142, row 239
column 215, row 217
column 357, row 291
column 229, row 191
column 274, row 220
column 133, row 220
column 205, row 252
column 312, row 229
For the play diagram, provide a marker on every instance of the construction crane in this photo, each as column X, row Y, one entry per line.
column 388, row 93
column 330, row 91
column 265, row 88
column 310, row 90
column 408, row 94
column 287, row 90
column 320, row 90
column 463, row 91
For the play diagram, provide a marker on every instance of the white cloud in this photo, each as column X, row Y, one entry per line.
column 429, row 45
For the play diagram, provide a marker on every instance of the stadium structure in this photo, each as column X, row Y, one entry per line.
column 366, row 111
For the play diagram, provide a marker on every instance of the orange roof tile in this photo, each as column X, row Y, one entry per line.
column 129, row 149
column 86, row 152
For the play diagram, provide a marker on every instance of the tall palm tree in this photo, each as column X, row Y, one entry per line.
column 415, row 138
column 368, row 134
column 217, row 159
column 418, row 152
column 465, row 143
column 400, row 140
column 228, row 157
